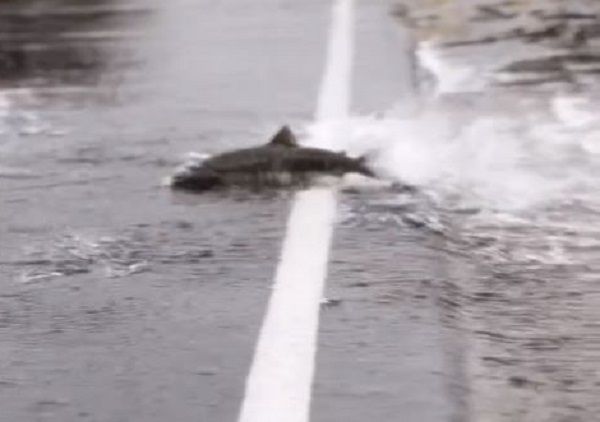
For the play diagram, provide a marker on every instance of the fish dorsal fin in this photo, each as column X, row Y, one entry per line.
column 284, row 138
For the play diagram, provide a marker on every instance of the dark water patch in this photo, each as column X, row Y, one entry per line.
column 48, row 405
column 503, row 361
column 58, row 42
column 61, row 184
column 594, row 72
column 28, row 262
column 358, row 284
column 561, row 65
column 187, row 257
column 518, row 83
column 565, row 15
column 98, row 156
column 466, row 43
column 7, row 384
column 549, row 64
column 543, row 33
column 519, row 381
column 487, row 13
column 526, row 34
column 590, row 31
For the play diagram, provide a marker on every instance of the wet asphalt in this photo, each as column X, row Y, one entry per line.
column 123, row 301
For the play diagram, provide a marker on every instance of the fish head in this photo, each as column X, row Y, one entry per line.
column 196, row 178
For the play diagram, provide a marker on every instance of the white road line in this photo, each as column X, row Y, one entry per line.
column 279, row 385
column 278, row 388
column 334, row 96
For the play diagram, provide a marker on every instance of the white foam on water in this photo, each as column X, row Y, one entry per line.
column 574, row 111
column 494, row 158
column 449, row 78
column 18, row 119
column 488, row 161
column 192, row 159
column 5, row 107
column 590, row 142
column 278, row 387
column 9, row 172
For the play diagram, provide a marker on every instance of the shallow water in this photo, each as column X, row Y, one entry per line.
column 479, row 288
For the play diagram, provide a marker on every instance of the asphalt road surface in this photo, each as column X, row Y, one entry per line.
column 121, row 301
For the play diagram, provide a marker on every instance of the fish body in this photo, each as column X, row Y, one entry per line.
column 280, row 163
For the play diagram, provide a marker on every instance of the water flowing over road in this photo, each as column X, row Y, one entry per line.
column 471, row 296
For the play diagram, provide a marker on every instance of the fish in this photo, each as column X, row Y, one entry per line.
column 280, row 163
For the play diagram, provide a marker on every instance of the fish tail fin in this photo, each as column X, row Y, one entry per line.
column 362, row 162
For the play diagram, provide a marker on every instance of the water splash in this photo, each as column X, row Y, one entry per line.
column 510, row 176
column 119, row 256
column 492, row 160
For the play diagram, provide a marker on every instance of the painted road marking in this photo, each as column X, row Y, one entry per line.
column 278, row 387
column 334, row 95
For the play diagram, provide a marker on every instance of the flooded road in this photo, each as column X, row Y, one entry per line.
column 473, row 298
column 120, row 300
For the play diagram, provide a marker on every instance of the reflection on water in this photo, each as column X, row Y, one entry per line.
column 56, row 54
column 64, row 42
